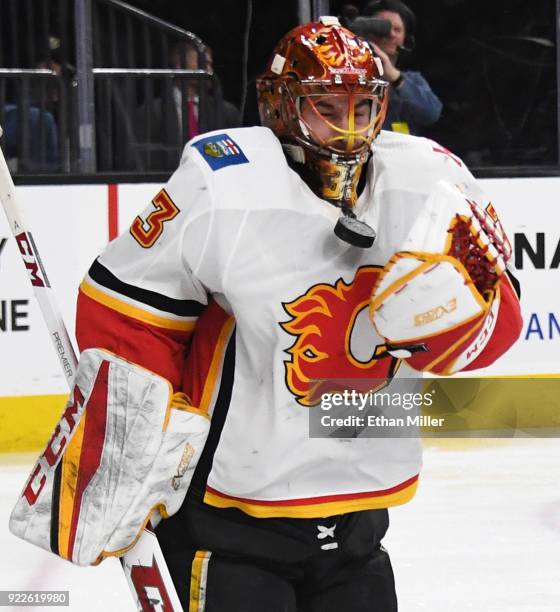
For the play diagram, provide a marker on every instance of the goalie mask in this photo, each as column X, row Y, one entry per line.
column 322, row 97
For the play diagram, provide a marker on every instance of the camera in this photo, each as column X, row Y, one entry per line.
column 365, row 27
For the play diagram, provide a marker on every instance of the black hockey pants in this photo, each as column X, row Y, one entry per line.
column 226, row 561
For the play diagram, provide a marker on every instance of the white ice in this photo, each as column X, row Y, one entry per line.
column 482, row 534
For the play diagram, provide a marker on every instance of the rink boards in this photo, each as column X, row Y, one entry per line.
column 72, row 223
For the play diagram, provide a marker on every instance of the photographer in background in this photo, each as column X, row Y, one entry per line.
column 412, row 103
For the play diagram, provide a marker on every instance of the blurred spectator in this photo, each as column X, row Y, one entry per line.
column 52, row 96
column 30, row 127
column 43, row 146
column 412, row 103
column 202, row 117
column 190, row 107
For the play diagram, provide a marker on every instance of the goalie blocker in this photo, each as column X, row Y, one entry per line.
column 124, row 448
column 437, row 302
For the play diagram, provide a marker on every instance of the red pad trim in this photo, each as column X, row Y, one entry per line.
column 507, row 329
column 92, row 447
column 437, row 345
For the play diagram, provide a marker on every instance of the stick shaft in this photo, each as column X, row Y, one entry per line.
column 144, row 565
column 37, row 275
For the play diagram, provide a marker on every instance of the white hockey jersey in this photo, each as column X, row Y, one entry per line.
column 233, row 286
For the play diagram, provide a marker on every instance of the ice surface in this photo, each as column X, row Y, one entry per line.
column 482, row 534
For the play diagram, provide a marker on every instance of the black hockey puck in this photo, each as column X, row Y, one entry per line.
column 355, row 232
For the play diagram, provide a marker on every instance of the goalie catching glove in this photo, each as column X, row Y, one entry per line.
column 120, row 452
column 436, row 301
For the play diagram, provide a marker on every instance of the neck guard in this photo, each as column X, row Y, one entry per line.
column 329, row 177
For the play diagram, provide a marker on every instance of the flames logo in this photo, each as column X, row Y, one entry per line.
column 329, row 322
column 330, row 55
column 334, row 49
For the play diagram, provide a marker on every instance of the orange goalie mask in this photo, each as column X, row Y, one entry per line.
column 317, row 62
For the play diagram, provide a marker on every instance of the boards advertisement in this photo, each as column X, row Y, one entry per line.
column 72, row 223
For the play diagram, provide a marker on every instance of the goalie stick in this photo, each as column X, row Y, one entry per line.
column 144, row 565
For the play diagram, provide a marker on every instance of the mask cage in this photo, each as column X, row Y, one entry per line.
column 330, row 102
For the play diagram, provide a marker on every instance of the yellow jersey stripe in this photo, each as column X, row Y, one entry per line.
column 320, row 509
column 215, row 365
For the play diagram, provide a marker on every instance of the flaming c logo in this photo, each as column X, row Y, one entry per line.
column 334, row 338
column 324, row 47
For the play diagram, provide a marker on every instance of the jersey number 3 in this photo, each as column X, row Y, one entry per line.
column 147, row 231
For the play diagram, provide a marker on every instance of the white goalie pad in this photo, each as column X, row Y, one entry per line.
column 424, row 296
column 426, row 289
column 119, row 452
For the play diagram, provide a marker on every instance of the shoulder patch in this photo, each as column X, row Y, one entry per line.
column 219, row 151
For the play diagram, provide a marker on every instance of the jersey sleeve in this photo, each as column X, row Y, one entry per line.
column 141, row 298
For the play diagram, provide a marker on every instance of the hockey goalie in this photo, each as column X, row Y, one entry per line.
column 311, row 249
